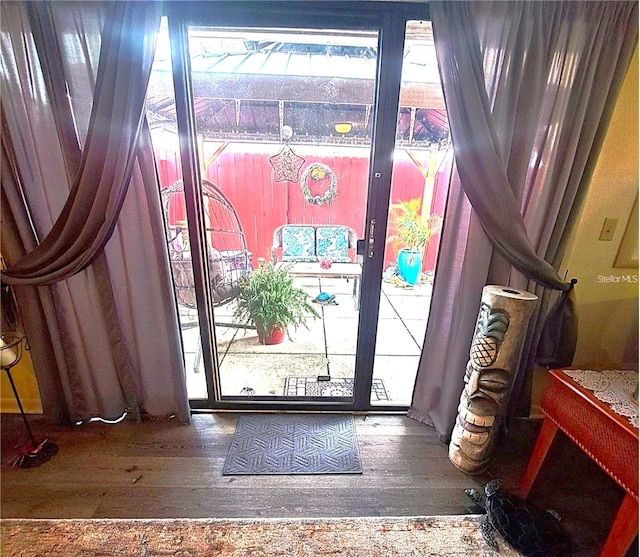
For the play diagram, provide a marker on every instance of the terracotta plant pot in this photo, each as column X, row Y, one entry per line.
column 276, row 336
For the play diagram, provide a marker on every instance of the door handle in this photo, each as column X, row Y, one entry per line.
column 371, row 242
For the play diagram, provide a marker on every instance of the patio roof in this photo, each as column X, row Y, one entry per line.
column 248, row 84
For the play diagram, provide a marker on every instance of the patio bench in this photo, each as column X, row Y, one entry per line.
column 308, row 243
column 303, row 246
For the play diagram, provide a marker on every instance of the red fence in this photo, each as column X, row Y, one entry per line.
column 247, row 180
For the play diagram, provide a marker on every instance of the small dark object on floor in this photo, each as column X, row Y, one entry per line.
column 31, row 455
column 532, row 531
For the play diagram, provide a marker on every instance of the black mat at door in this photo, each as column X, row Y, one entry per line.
column 337, row 386
column 293, row 444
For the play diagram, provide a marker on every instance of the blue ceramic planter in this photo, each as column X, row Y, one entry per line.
column 409, row 265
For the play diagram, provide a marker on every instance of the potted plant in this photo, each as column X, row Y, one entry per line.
column 412, row 232
column 270, row 301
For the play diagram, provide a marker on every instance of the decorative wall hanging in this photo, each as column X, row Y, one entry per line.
column 286, row 164
column 319, row 172
column 494, row 356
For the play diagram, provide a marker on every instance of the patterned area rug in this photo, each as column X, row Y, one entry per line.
column 338, row 386
column 293, row 444
column 444, row 536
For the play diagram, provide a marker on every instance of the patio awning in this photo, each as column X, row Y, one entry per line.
column 245, row 87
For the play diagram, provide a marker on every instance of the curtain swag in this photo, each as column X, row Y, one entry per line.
column 80, row 175
column 88, row 218
column 484, row 175
column 529, row 89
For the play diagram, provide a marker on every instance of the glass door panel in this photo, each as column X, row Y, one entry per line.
column 161, row 115
column 422, row 164
column 284, row 123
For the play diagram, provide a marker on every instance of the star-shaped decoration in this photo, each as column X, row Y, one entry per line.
column 286, row 164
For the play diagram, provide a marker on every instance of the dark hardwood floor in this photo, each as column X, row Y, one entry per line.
column 162, row 469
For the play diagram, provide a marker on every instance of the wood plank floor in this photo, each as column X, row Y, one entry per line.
column 163, row 469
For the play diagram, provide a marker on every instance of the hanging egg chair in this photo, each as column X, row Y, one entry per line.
column 228, row 257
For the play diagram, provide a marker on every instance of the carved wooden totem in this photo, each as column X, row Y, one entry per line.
column 493, row 361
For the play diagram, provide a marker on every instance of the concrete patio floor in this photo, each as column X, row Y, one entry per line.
column 327, row 347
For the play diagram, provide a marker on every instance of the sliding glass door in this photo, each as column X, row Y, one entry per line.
column 276, row 149
column 422, row 166
column 283, row 125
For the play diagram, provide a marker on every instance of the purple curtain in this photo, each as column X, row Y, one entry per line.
column 102, row 318
column 90, row 213
column 529, row 88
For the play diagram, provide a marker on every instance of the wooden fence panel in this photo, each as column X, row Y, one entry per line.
column 247, row 180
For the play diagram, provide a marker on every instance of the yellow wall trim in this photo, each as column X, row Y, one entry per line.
column 30, row 405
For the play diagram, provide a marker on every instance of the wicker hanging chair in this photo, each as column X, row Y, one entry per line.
column 229, row 259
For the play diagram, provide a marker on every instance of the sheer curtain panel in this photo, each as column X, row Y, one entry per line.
column 529, row 88
column 85, row 209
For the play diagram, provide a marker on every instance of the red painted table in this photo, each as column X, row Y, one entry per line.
column 596, row 411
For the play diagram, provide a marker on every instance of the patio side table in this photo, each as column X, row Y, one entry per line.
column 337, row 270
column 595, row 409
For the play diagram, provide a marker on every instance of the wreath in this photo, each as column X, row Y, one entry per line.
column 317, row 171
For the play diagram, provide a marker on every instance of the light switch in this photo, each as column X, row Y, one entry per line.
column 608, row 229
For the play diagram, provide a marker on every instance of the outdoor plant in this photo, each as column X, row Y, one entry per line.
column 269, row 299
column 412, row 232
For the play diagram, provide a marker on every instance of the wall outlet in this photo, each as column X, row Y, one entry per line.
column 608, row 229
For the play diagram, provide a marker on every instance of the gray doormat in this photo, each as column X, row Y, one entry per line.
column 293, row 444
column 338, row 386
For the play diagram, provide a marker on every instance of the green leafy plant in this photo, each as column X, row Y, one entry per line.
column 412, row 231
column 269, row 299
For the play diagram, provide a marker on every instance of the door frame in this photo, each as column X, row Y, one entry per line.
column 389, row 20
